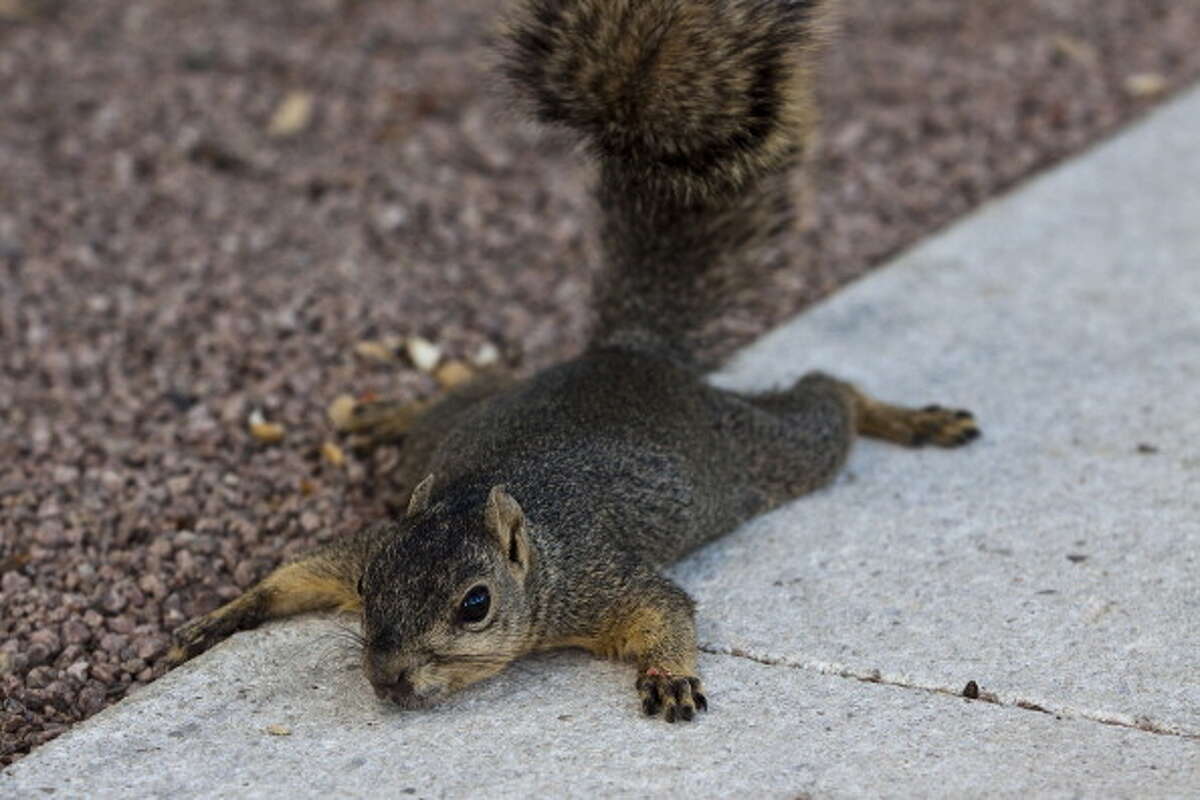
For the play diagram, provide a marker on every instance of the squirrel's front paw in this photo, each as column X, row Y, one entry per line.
column 677, row 696
column 194, row 637
column 190, row 640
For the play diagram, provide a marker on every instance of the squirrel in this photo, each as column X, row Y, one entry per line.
column 544, row 509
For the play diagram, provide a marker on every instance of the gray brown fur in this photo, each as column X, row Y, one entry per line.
column 560, row 497
column 695, row 111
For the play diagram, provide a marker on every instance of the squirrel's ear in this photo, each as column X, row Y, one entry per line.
column 506, row 522
column 419, row 501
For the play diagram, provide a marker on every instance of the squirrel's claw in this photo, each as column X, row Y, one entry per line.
column 677, row 697
column 187, row 643
column 194, row 637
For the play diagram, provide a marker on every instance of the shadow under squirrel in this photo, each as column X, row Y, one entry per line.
column 551, row 503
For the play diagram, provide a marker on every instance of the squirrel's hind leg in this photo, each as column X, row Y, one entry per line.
column 804, row 438
column 808, row 403
column 379, row 422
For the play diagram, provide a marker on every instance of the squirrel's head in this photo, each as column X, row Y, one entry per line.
column 445, row 601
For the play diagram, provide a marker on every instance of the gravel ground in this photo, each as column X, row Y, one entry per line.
column 206, row 205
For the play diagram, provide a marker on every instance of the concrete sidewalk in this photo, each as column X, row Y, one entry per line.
column 1056, row 563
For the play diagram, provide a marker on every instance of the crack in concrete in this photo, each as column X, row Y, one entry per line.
column 970, row 692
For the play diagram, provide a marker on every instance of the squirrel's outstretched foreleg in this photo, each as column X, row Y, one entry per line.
column 653, row 625
column 324, row 580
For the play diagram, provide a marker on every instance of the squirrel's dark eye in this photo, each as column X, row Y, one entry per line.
column 360, row 585
column 475, row 605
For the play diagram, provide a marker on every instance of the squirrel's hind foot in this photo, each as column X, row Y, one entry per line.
column 913, row 427
column 374, row 423
column 944, row 427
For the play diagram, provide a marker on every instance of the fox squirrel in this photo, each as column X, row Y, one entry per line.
column 543, row 509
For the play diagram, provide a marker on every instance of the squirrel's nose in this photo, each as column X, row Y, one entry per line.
column 399, row 689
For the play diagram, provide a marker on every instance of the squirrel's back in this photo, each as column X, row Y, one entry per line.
column 695, row 109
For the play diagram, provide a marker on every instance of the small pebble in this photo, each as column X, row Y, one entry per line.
column 152, row 585
column 65, row 474
column 39, row 677
column 113, row 643
column 114, row 599
column 333, row 454
column 104, row 672
column 486, row 356
column 37, row 654
column 50, row 534
column 1076, row 50
column 111, row 481
column 76, row 633
column 292, row 115
column 150, row 647
column 423, row 353
column 263, row 431
column 1145, row 85
column 375, row 350
column 48, row 639
column 245, row 574
column 453, row 373
column 14, row 583
column 341, row 411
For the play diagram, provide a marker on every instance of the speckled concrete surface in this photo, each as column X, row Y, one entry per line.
column 1056, row 561
column 274, row 714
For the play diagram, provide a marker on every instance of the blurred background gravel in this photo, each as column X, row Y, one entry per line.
column 205, row 205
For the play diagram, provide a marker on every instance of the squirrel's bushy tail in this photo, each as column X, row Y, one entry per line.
column 695, row 109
